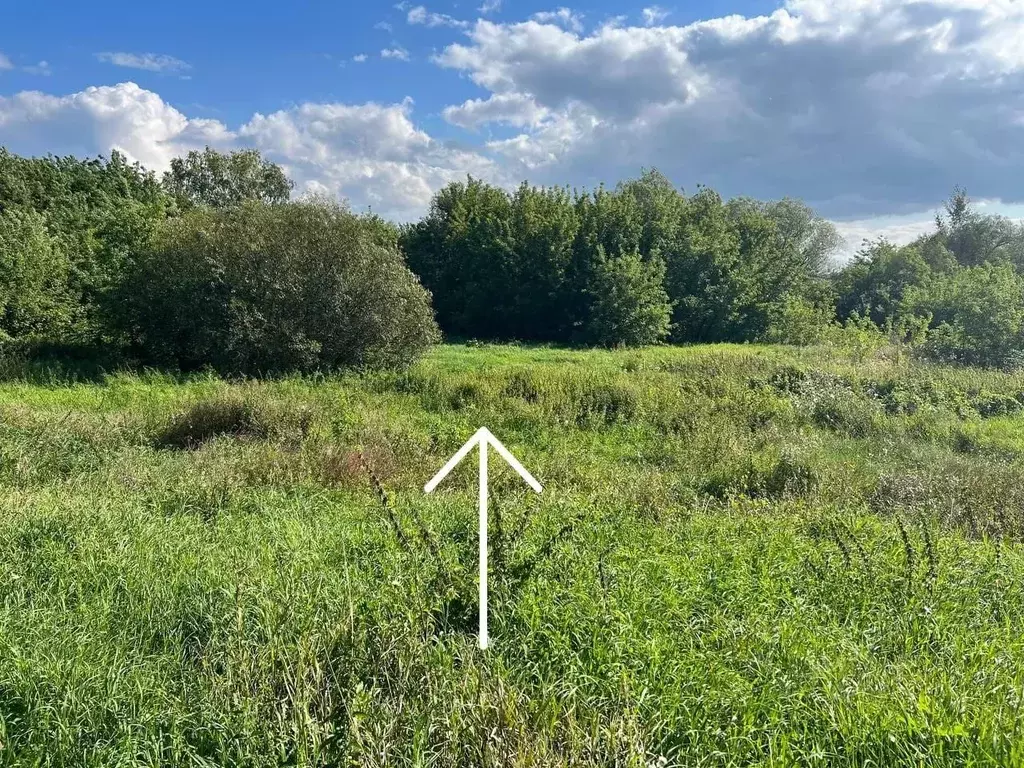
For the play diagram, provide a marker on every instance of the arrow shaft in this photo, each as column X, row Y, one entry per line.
column 483, row 544
column 483, row 438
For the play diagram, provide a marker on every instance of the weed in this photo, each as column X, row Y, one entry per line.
column 740, row 552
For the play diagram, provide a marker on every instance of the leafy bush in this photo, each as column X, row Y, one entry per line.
column 800, row 321
column 79, row 223
column 208, row 419
column 268, row 288
column 34, row 300
column 976, row 314
column 629, row 303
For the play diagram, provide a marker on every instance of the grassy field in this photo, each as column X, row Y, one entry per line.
column 742, row 556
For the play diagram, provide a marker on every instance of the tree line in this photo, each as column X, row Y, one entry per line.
column 214, row 265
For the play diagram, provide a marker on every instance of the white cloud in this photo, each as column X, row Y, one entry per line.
column 371, row 154
column 125, row 117
column 5, row 63
column 383, row 25
column 511, row 109
column 861, row 107
column 152, row 62
column 420, row 15
column 654, row 15
column 397, row 52
column 359, row 58
column 563, row 17
column 490, row 6
column 899, row 230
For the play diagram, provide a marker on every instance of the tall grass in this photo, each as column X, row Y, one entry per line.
column 742, row 556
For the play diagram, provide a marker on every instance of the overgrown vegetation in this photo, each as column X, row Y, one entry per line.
column 270, row 289
column 742, row 555
column 214, row 266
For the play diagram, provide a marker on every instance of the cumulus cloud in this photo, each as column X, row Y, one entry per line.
column 371, row 154
column 490, row 6
column 420, row 15
column 563, row 17
column 861, row 107
column 397, row 53
column 359, row 58
column 5, row 63
column 125, row 117
column 654, row 15
column 151, row 62
column 511, row 108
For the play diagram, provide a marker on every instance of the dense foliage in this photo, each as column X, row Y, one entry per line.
column 258, row 288
column 68, row 229
column 536, row 264
column 961, row 283
column 214, row 265
column 222, row 180
column 211, row 267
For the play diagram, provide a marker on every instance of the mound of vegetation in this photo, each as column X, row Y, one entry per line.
column 268, row 288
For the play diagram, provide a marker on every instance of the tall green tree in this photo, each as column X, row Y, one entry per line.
column 463, row 251
column 34, row 299
column 98, row 212
column 628, row 303
column 220, row 179
column 544, row 227
column 798, row 229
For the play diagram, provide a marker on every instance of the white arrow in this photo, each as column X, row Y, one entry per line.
column 483, row 437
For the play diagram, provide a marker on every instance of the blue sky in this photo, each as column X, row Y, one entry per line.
column 871, row 110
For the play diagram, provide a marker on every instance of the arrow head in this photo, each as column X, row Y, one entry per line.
column 513, row 462
column 483, row 437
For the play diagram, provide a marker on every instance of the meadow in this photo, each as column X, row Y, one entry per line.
column 743, row 555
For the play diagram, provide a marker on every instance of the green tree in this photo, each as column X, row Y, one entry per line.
column 975, row 314
column 629, row 305
column 219, row 179
column 544, row 227
column 975, row 239
column 34, row 300
column 798, row 228
column 874, row 283
column 730, row 273
column 697, row 265
column 464, row 252
column 98, row 213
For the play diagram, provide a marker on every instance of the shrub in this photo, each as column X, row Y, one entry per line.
column 267, row 288
column 629, row 305
column 34, row 300
column 233, row 414
column 764, row 476
column 976, row 315
column 800, row 321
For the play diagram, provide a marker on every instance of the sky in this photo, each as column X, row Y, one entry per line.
column 869, row 110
